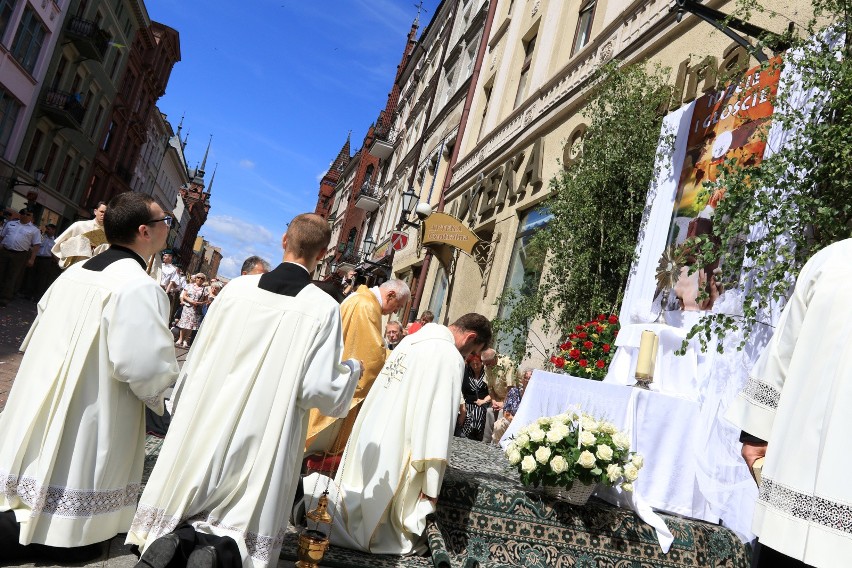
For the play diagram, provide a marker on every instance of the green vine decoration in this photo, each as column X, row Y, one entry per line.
column 586, row 250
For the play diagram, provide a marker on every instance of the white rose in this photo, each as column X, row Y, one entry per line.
column 638, row 461
column 542, row 454
column 587, row 438
column 537, row 435
column 588, row 423
column 557, row 433
column 627, row 487
column 608, row 428
column 630, row 472
column 621, row 441
column 565, row 418
column 604, row 452
column 528, row 464
column 559, row 464
column 586, row 459
column 544, row 421
column 613, row 472
column 522, row 440
column 514, row 456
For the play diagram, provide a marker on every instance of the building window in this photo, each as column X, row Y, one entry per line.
column 51, row 157
column 9, row 109
column 525, row 268
column 28, row 40
column 63, row 173
column 584, row 25
column 60, row 71
column 487, row 99
column 34, row 148
column 6, row 9
column 439, row 292
column 471, row 57
column 448, row 89
column 108, row 138
column 529, row 48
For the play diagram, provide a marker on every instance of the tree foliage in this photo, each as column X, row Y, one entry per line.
column 597, row 206
column 777, row 214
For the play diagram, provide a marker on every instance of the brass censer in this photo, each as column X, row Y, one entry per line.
column 313, row 542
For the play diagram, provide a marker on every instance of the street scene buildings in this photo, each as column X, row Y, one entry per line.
column 490, row 108
column 79, row 84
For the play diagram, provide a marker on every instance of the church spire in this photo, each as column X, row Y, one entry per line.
column 204, row 161
column 213, row 177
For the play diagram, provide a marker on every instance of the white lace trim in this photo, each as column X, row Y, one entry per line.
column 761, row 393
column 65, row 501
column 154, row 523
column 812, row 508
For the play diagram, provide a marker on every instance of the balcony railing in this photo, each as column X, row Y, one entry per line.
column 384, row 138
column 91, row 41
column 369, row 197
column 64, row 108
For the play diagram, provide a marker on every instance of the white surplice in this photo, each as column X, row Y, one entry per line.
column 73, row 243
column 798, row 399
column 230, row 462
column 399, row 447
column 72, row 435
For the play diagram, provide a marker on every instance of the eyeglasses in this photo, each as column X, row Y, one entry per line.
column 167, row 220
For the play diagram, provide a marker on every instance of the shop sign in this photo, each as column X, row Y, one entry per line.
column 504, row 184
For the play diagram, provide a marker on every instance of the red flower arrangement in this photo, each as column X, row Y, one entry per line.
column 588, row 350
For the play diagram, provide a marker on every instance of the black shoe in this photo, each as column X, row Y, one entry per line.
column 202, row 558
column 160, row 553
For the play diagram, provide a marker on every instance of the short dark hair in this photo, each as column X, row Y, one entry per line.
column 125, row 213
column 478, row 324
column 98, row 206
column 428, row 316
column 308, row 235
column 25, row 211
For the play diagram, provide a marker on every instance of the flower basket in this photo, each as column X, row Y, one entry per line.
column 578, row 494
column 587, row 351
column 573, row 450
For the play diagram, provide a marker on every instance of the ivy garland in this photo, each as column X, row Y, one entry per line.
column 586, row 250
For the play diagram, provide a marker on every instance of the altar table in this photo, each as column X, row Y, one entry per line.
column 661, row 427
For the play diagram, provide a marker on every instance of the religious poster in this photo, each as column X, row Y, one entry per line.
column 729, row 123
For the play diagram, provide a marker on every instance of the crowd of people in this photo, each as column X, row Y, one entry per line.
column 274, row 356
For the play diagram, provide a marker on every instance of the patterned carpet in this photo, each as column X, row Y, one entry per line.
column 486, row 518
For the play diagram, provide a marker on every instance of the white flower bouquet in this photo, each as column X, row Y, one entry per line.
column 559, row 450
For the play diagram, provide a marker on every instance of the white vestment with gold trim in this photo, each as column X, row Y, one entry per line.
column 399, row 447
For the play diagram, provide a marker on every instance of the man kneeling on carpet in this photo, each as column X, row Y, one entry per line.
column 393, row 465
column 269, row 351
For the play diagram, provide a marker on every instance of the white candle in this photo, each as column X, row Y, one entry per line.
column 644, row 366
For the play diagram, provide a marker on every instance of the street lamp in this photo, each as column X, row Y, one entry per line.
column 369, row 246
column 409, row 200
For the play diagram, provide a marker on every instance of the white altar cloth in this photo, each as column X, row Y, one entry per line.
column 662, row 428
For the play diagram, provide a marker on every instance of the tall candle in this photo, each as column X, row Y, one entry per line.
column 654, row 352
column 644, row 366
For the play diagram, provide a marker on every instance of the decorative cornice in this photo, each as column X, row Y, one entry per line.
column 639, row 18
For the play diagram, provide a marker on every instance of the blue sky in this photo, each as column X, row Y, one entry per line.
column 279, row 84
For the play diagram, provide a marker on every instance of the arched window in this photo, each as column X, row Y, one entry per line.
column 350, row 242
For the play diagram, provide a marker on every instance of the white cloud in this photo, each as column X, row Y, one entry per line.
column 247, row 164
column 237, row 229
column 240, row 239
